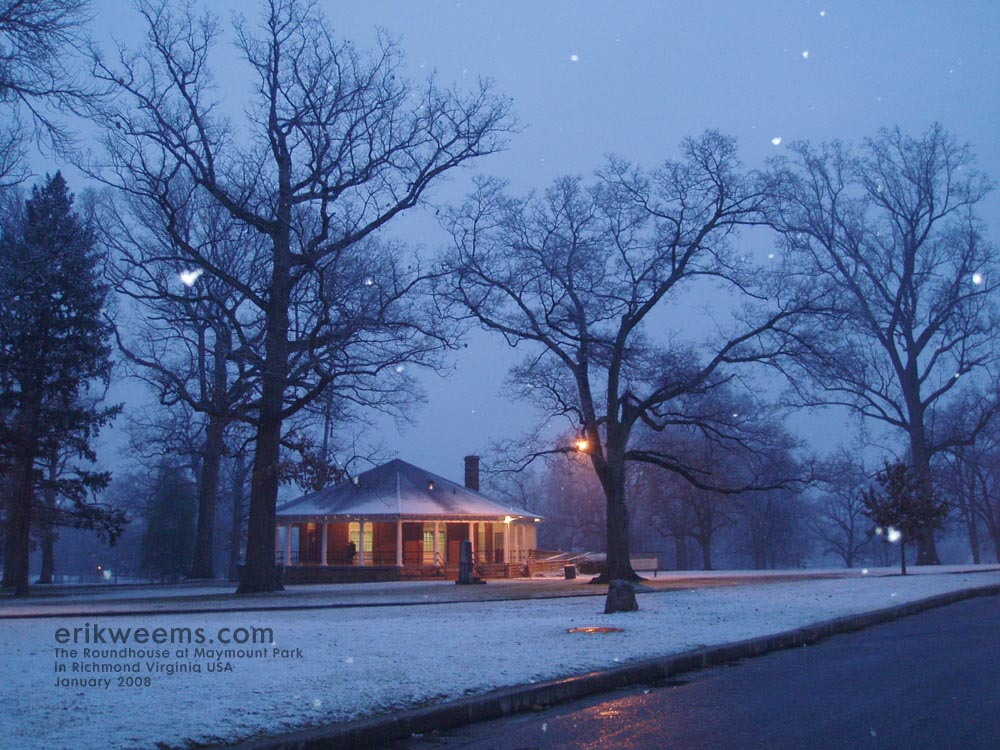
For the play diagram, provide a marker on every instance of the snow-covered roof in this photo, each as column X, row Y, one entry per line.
column 398, row 489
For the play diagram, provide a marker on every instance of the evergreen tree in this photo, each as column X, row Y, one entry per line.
column 53, row 349
column 168, row 542
column 903, row 508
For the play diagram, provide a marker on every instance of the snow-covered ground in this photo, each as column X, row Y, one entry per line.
column 369, row 660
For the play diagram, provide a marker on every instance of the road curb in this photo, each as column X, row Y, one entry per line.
column 367, row 733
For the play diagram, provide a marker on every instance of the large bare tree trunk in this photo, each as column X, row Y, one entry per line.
column 260, row 572
column 705, row 544
column 8, row 564
column 48, row 541
column 611, row 471
column 682, row 556
column 236, row 530
column 926, row 549
column 48, row 530
column 19, row 526
column 203, row 565
column 973, row 532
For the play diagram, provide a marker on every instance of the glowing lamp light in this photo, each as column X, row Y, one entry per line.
column 582, row 444
column 508, row 519
column 977, row 279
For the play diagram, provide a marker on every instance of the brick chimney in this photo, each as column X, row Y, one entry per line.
column 472, row 472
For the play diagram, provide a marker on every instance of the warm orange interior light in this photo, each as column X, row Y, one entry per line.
column 582, row 444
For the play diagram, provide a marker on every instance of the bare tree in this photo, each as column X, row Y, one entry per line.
column 969, row 478
column 772, row 528
column 839, row 522
column 40, row 42
column 181, row 339
column 335, row 145
column 573, row 505
column 892, row 237
column 578, row 272
column 659, row 496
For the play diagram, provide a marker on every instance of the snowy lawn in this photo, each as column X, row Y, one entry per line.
column 371, row 660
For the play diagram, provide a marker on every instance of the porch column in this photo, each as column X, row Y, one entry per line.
column 277, row 542
column 507, row 541
column 472, row 538
column 399, row 542
column 322, row 545
column 436, row 543
column 288, row 545
column 361, row 542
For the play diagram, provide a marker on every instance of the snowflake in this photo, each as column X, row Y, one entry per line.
column 776, row 141
column 189, row 277
column 805, row 54
column 977, row 279
column 574, row 58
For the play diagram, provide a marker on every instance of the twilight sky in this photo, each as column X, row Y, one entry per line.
column 592, row 78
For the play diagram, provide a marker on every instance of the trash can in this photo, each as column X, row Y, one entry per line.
column 570, row 572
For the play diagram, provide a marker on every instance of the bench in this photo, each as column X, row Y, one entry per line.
column 645, row 564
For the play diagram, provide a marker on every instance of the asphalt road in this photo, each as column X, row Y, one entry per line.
column 927, row 681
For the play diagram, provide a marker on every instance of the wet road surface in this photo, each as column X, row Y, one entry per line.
column 927, row 681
